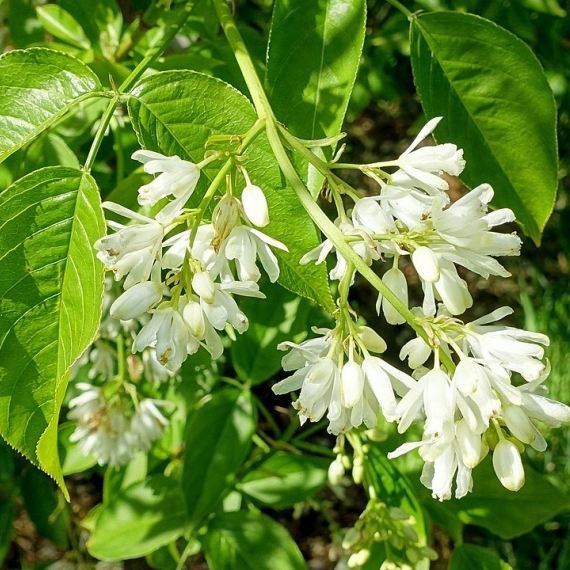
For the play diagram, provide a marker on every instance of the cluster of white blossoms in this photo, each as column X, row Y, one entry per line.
column 184, row 283
column 112, row 427
column 468, row 404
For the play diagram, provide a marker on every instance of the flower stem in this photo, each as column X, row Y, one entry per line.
column 264, row 110
column 131, row 80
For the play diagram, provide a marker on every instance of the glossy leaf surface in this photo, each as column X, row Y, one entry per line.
column 497, row 106
column 38, row 86
column 51, row 288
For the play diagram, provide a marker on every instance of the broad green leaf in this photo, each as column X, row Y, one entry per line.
column 38, row 86
column 537, row 502
column 497, row 105
column 175, row 113
column 250, row 541
column 393, row 488
column 51, row 289
column 47, row 511
column 285, row 479
column 218, row 438
column 139, row 519
column 280, row 317
column 312, row 60
column 62, row 25
column 471, row 557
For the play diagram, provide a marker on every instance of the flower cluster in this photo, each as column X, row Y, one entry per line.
column 470, row 401
column 392, row 525
column 337, row 374
column 412, row 216
column 111, row 427
column 184, row 283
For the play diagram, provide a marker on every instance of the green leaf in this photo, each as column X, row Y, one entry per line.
column 25, row 28
column 537, row 502
column 218, row 439
column 471, row 557
column 46, row 150
column 497, row 105
column 285, row 479
column 175, row 113
column 51, row 289
column 47, row 511
column 250, row 541
column 38, row 86
column 62, row 25
column 312, row 60
column 280, row 317
column 139, row 519
column 72, row 458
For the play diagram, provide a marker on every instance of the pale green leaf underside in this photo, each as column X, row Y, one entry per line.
column 175, row 113
column 497, row 105
column 51, row 288
column 38, row 86
column 312, row 60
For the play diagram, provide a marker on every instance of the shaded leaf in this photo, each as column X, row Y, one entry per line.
column 535, row 503
column 218, row 438
column 62, row 25
column 250, row 541
column 285, row 479
column 139, row 519
column 471, row 557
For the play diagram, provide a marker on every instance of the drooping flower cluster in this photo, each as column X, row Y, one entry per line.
column 110, row 427
column 411, row 216
column 186, row 282
column 337, row 375
column 469, row 402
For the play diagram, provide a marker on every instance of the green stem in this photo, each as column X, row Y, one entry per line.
column 131, row 80
column 327, row 227
column 400, row 7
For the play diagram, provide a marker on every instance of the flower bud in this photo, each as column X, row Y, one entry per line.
column 395, row 280
column 336, row 471
column 136, row 300
column 426, row 264
column 352, row 382
column 255, row 205
column 371, row 339
column 194, row 318
column 508, row 465
column 203, row 286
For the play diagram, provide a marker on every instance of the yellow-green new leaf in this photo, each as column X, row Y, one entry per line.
column 51, row 289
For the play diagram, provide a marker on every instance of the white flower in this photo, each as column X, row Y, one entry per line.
column 137, row 300
column 244, row 245
column 510, row 348
column 102, row 428
column 395, row 280
column 427, row 163
column 353, row 393
column 148, row 423
column 508, row 465
column 178, row 178
column 255, row 205
column 365, row 247
column 169, row 335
